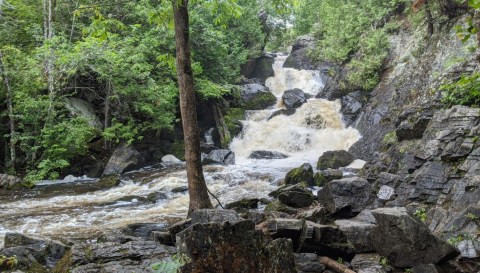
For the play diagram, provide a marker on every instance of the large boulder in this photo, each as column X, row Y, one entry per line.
column 358, row 230
column 132, row 256
column 405, row 241
column 370, row 263
column 303, row 173
column 326, row 240
column 81, row 108
column 204, row 216
column 334, row 160
column 256, row 97
column 412, row 123
column 33, row 253
column 296, row 196
column 308, row 263
column 222, row 156
column 124, row 158
column 267, row 155
column 352, row 104
column 293, row 229
column 260, row 68
column 294, row 98
column 299, row 57
column 236, row 248
column 10, row 181
column 348, row 196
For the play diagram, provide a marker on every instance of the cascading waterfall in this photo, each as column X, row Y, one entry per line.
column 73, row 212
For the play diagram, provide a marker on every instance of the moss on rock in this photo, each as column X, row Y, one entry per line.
column 303, row 173
column 108, row 181
column 232, row 120
column 320, row 180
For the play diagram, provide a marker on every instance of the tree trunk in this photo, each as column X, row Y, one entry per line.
column 428, row 15
column 106, row 124
column 197, row 187
column 337, row 267
column 3, row 73
column 48, row 7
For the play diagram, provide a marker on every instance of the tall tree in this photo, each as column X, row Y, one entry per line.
column 197, row 187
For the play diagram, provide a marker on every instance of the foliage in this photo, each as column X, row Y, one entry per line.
column 115, row 54
column 390, row 138
column 173, row 266
column 421, row 214
column 384, row 261
column 464, row 91
column 373, row 49
column 7, row 263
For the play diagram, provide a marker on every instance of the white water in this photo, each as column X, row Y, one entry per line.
column 315, row 128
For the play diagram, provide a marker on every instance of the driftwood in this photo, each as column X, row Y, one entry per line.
column 334, row 265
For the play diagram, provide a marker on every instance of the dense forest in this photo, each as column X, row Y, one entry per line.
column 59, row 58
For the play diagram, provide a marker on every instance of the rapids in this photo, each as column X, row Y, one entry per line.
column 78, row 211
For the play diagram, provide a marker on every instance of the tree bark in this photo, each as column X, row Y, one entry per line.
column 337, row 267
column 106, row 124
column 3, row 73
column 197, row 187
column 428, row 15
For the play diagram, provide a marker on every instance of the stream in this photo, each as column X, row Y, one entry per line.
column 75, row 210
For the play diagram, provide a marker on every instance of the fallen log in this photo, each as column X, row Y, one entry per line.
column 334, row 265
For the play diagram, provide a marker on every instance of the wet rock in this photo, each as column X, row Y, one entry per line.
column 10, row 181
column 319, row 179
column 156, row 196
column 162, row 237
column 170, row 159
column 293, row 98
column 317, row 215
column 214, row 216
column 370, row 263
column 33, row 252
column 243, row 204
column 267, row 155
column 303, row 173
column 326, row 240
column 332, row 174
column 108, row 181
column 133, row 199
column 293, row 229
column 351, row 106
column 116, row 237
column 348, row 196
column 143, row 230
column 334, row 160
column 388, row 179
column 179, row 226
column 260, row 68
column 308, row 263
column 285, row 112
column 215, row 247
column 225, row 157
column 385, row 193
column 406, row 241
column 358, row 230
column 124, row 158
column 296, row 196
column 277, row 206
column 298, row 57
column 256, row 97
column 412, row 123
column 133, row 256
column 180, row 189
column 255, row 216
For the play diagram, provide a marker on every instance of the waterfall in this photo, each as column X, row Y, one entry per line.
column 315, row 127
column 76, row 211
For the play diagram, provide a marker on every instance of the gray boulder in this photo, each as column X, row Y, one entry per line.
column 267, row 155
column 235, row 247
column 303, row 173
column 296, row 196
column 124, row 157
column 132, row 256
column 358, row 230
column 299, row 57
column 412, row 123
column 326, row 240
column 293, row 229
column 204, row 216
column 349, row 196
column 406, row 241
column 334, row 160
column 370, row 263
column 225, row 157
column 352, row 105
column 308, row 263
column 33, row 252
column 256, row 97
column 10, row 181
column 293, row 98
column 260, row 68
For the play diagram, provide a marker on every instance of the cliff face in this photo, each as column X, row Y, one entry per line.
column 428, row 154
